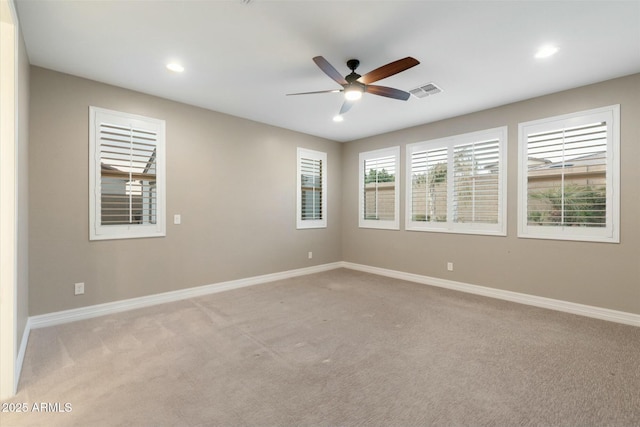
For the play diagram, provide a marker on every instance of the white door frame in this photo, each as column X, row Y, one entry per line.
column 8, row 198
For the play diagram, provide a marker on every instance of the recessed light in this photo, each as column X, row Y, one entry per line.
column 546, row 51
column 338, row 118
column 175, row 67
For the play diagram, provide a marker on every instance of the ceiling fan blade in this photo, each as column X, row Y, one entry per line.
column 389, row 92
column 389, row 70
column 329, row 70
column 346, row 106
column 318, row 91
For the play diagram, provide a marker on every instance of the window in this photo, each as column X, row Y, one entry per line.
column 312, row 189
column 569, row 177
column 457, row 184
column 126, row 175
column 378, row 190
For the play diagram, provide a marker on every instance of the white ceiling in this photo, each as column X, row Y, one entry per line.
column 242, row 59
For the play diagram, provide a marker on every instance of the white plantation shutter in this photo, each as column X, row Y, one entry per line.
column 563, row 200
column 428, row 170
column 128, row 162
column 476, row 188
column 127, row 175
column 311, row 189
column 457, row 184
column 568, row 180
column 311, row 174
column 378, row 194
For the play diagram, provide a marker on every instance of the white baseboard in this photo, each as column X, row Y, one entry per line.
column 72, row 315
column 553, row 304
column 56, row 318
column 66, row 316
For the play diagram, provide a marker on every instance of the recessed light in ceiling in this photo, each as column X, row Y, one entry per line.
column 338, row 118
column 175, row 67
column 546, row 51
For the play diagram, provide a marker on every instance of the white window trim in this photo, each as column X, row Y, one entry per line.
column 499, row 229
column 313, row 155
column 101, row 232
column 379, row 224
column 608, row 234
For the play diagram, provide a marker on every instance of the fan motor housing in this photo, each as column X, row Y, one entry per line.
column 352, row 78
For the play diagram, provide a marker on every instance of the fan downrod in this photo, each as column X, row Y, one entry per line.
column 353, row 64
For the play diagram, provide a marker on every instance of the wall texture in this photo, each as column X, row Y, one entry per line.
column 232, row 180
column 598, row 274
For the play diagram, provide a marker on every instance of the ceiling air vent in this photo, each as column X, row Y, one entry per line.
column 425, row 90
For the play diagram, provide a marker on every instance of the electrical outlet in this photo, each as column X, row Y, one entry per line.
column 310, row 255
column 450, row 266
column 79, row 288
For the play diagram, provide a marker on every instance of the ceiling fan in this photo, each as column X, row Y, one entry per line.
column 354, row 85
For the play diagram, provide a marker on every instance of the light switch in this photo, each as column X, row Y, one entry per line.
column 79, row 289
column 177, row 219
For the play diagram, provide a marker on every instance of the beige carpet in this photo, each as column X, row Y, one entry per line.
column 340, row 348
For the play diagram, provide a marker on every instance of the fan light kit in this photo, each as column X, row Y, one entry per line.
column 353, row 93
column 354, row 85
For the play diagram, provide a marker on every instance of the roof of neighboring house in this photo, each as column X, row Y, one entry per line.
column 588, row 160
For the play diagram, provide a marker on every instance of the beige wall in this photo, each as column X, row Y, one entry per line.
column 598, row 274
column 215, row 163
